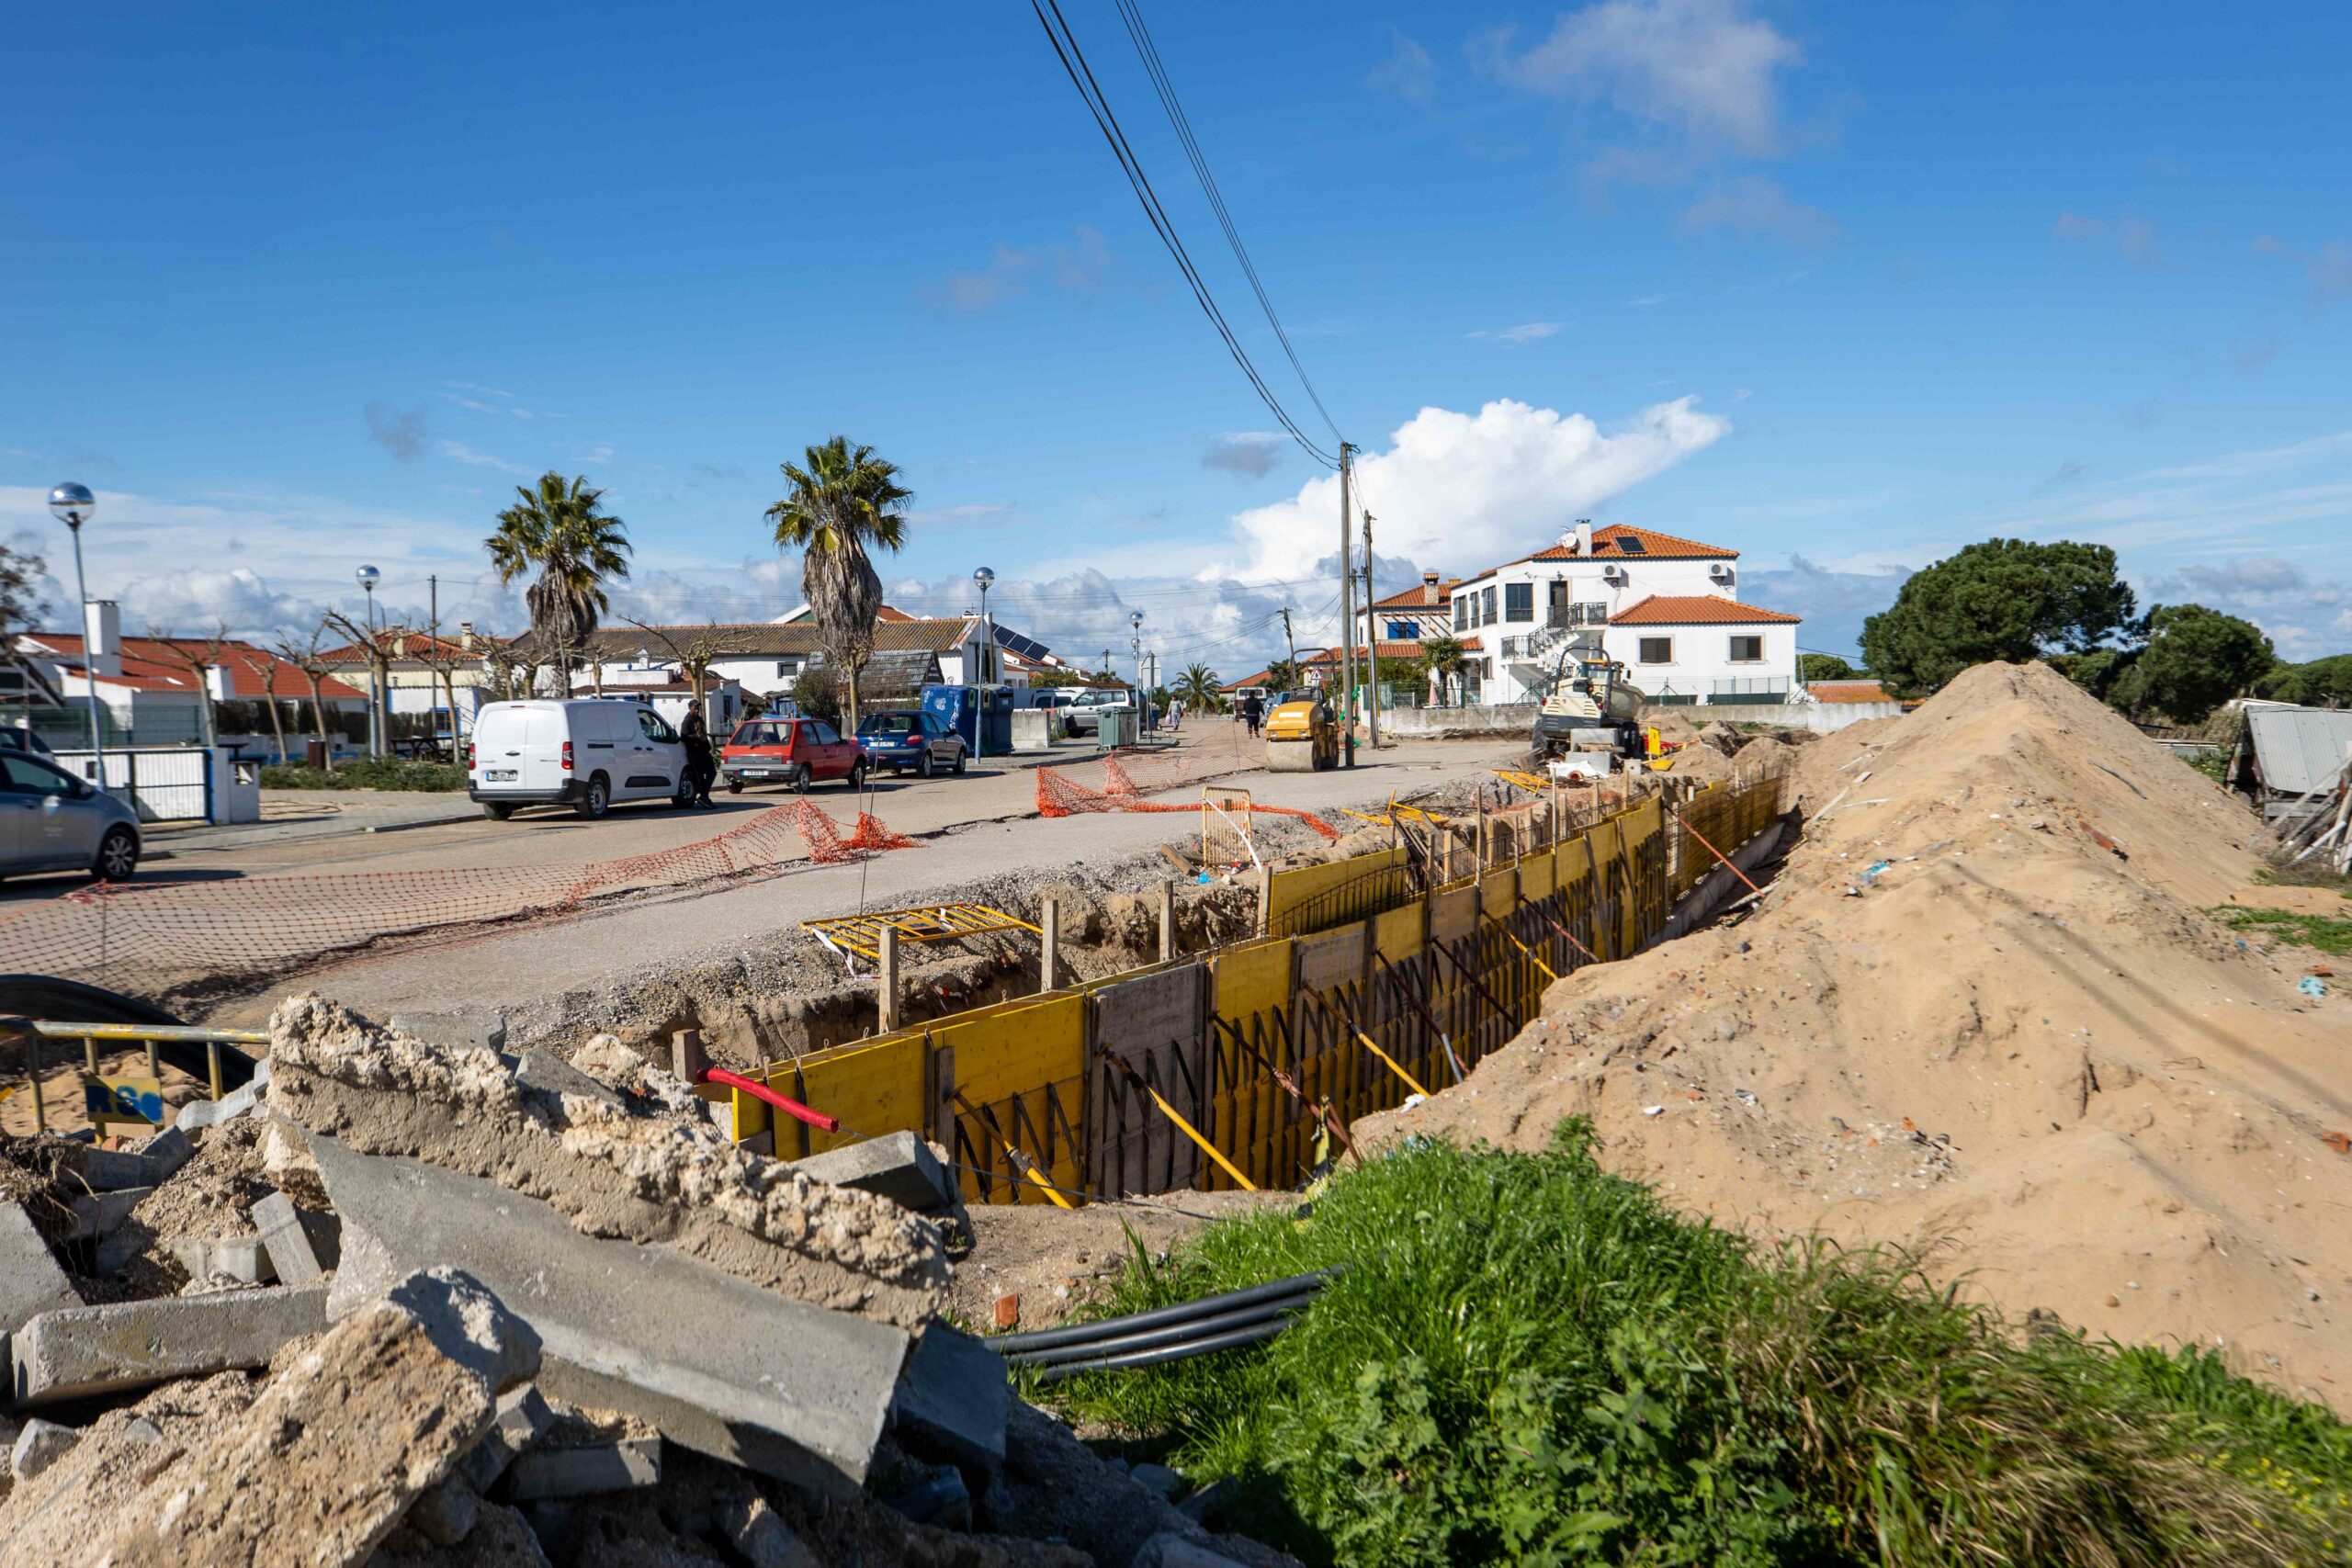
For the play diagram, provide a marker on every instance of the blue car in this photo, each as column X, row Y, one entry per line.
column 910, row 741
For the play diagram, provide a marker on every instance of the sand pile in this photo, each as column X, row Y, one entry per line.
column 1979, row 1014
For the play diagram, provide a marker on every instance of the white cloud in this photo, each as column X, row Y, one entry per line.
column 1753, row 204
column 459, row 452
column 1462, row 491
column 2305, row 616
column 1407, row 72
column 1526, row 331
column 1702, row 69
column 2328, row 267
column 1080, row 264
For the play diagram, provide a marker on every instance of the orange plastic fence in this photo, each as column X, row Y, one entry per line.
column 1061, row 796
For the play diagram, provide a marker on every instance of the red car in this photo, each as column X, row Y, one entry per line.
column 795, row 751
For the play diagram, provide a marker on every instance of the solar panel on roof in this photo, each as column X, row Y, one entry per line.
column 1629, row 545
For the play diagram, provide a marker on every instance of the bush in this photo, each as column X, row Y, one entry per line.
column 368, row 773
column 1529, row 1360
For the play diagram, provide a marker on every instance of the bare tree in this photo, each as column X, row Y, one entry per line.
column 379, row 664
column 512, row 668
column 199, row 659
column 696, row 648
column 304, row 656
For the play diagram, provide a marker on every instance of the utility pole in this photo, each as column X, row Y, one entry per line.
column 432, row 697
column 1347, row 617
column 1371, row 639
column 1290, row 642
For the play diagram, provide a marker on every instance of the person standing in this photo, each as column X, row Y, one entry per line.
column 701, row 769
column 1253, row 713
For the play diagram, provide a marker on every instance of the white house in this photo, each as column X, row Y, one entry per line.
column 1421, row 611
column 767, row 657
column 1666, row 608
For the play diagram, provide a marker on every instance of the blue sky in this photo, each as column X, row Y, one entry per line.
column 1843, row 287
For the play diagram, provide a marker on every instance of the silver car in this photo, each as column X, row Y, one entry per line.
column 50, row 820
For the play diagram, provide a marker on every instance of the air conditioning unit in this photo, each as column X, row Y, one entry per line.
column 1721, row 572
column 1614, row 575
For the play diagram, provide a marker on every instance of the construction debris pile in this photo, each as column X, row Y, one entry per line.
column 1980, row 1012
column 412, row 1301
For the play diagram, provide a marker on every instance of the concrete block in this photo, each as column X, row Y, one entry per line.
column 39, row 1446
column 1157, row 1478
column 551, row 1074
column 952, row 1399
column 111, row 1171
column 165, row 1152
column 760, row 1533
column 31, row 1281
column 484, row 1031
column 240, row 1101
column 901, row 1168
column 1169, row 1550
column 943, row 1499
column 80, row 1351
column 718, row 1364
column 622, row 1465
column 445, row 1514
column 241, row 1257
column 116, row 1251
column 524, row 1416
column 103, row 1213
column 286, row 1240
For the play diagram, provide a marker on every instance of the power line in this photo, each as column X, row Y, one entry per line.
column 1140, row 33
column 1098, row 103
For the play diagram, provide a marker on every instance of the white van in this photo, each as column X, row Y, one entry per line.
column 585, row 753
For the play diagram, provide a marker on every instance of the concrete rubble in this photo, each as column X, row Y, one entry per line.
column 528, row 1310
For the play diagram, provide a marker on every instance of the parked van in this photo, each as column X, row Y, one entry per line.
column 585, row 753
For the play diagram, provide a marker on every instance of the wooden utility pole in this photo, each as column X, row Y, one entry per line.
column 1371, row 642
column 1290, row 642
column 1347, row 618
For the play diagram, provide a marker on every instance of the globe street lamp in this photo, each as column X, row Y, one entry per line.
column 368, row 577
column 1143, row 698
column 981, row 578
column 72, row 504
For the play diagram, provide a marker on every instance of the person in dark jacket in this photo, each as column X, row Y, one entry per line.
column 1253, row 712
column 702, row 766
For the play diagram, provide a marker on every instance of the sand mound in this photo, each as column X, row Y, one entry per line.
column 1979, row 1014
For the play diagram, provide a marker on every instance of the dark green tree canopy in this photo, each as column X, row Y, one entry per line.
column 2196, row 659
column 2322, row 682
column 1813, row 667
column 2004, row 599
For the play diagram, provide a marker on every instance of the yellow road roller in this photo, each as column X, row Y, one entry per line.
column 1302, row 736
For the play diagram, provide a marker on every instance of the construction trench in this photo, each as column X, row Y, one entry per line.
column 406, row 1297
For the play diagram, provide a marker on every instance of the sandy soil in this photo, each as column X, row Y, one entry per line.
column 1057, row 1261
column 1980, row 1015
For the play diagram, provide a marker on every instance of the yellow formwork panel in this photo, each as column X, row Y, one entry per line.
column 1251, row 979
column 1497, row 894
column 1005, row 1050
column 874, row 1086
column 1288, row 890
column 1396, row 935
column 1453, row 913
column 1535, row 879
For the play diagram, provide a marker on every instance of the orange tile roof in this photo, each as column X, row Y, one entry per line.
column 1698, row 610
column 148, row 664
column 1608, row 544
column 1422, row 595
column 1847, row 691
column 1400, row 647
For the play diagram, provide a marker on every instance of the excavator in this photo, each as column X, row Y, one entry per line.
column 1589, row 705
column 1302, row 737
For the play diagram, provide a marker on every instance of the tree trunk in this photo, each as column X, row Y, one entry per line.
column 277, row 720
column 319, row 712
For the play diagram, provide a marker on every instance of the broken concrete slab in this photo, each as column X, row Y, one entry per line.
column 1171, row 1551
column 79, row 1350
column 31, row 1280
column 240, row 1101
column 952, row 1400
column 103, row 1213
column 110, row 1170
column 607, row 1168
column 445, row 1514
column 524, row 1415
column 485, row 1032
column 238, row 1258
column 760, row 1533
column 39, row 1446
column 166, row 1152
column 621, row 1465
column 718, row 1364
column 286, row 1241
column 900, row 1166
column 551, row 1074
column 346, row 1437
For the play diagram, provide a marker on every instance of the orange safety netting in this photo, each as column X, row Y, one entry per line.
column 163, row 931
column 1060, row 796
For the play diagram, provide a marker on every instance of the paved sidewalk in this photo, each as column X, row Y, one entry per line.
column 293, row 814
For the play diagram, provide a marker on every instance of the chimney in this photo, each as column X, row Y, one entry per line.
column 102, row 637
column 1584, row 536
column 1430, row 579
column 466, row 636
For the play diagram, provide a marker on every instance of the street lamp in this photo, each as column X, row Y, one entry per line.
column 981, row 578
column 1143, row 698
column 72, row 504
column 368, row 577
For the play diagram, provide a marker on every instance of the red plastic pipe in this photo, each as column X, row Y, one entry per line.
column 758, row 1091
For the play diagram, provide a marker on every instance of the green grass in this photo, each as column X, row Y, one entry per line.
column 366, row 773
column 2328, row 933
column 1528, row 1360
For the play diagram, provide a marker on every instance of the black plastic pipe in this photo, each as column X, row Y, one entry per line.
column 1183, row 1312
column 1173, row 1334
column 1166, row 1353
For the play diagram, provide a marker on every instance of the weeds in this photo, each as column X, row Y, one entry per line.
column 1529, row 1360
column 2328, row 933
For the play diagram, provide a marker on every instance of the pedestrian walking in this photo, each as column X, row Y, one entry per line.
column 1253, row 713
column 701, row 768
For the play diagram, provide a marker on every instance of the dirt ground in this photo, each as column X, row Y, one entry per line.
column 1980, row 1015
column 1057, row 1261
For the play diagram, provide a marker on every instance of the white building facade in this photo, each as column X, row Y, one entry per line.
column 1666, row 608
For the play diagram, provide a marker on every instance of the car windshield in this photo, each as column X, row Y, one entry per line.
column 891, row 724
column 757, row 735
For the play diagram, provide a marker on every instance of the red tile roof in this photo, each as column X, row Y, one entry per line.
column 399, row 644
column 148, row 665
column 1400, row 647
column 1698, row 610
column 1847, row 691
column 1608, row 544
column 1422, row 595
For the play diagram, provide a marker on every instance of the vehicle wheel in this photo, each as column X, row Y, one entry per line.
column 683, row 800
column 798, row 782
column 600, row 795
column 734, row 786
column 959, row 759
column 496, row 811
column 923, row 764
column 857, row 777
column 117, row 856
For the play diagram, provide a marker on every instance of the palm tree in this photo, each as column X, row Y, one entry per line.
column 1198, row 684
column 845, row 500
column 557, row 528
column 1442, row 656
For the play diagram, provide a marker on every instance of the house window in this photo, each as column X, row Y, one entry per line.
column 1519, row 601
column 1462, row 613
column 1403, row 631
column 1487, row 607
column 1657, row 650
column 1747, row 650
column 787, row 667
